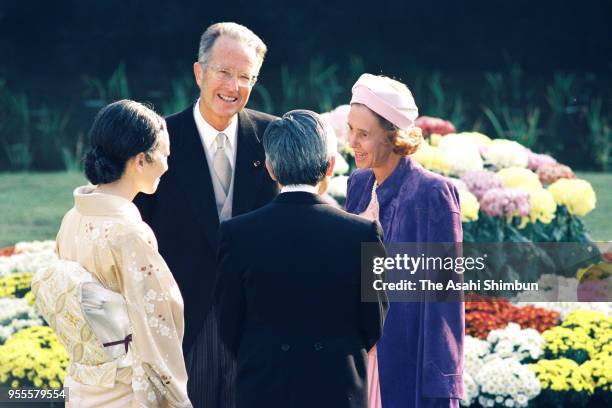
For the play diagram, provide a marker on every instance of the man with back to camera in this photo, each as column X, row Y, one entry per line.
column 216, row 171
column 288, row 295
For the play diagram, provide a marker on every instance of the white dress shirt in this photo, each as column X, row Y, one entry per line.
column 208, row 134
column 305, row 188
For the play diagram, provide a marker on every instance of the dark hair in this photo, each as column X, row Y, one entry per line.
column 120, row 131
column 296, row 148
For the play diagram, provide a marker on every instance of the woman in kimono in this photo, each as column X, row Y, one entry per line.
column 104, row 233
column 420, row 355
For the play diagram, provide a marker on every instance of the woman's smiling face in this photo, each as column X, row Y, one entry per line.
column 368, row 138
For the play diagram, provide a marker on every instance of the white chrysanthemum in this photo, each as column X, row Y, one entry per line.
column 502, row 153
column 462, row 154
column 338, row 119
column 474, row 352
column 16, row 314
column 341, row 167
column 470, row 390
column 515, row 343
column 508, row 379
column 34, row 246
column 337, row 186
column 28, row 261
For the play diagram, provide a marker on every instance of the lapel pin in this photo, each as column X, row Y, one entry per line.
column 256, row 163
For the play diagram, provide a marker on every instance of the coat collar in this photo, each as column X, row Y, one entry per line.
column 298, row 197
column 390, row 187
column 89, row 202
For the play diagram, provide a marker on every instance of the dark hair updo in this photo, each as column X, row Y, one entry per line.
column 120, row 131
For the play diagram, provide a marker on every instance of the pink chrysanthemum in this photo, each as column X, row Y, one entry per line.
column 508, row 202
column 536, row 160
column 431, row 125
column 481, row 181
column 549, row 173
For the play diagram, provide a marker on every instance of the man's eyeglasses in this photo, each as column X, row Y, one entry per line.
column 228, row 74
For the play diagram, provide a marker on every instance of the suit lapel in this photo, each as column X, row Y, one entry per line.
column 197, row 177
column 249, row 165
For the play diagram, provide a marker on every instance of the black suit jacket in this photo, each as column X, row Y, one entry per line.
column 288, row 303
column 183, row 211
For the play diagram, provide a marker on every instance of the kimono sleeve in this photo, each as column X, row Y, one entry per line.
column 155, row 310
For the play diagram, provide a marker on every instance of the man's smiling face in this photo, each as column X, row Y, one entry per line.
column 222, row 98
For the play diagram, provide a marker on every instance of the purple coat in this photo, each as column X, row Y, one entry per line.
column 420, row 356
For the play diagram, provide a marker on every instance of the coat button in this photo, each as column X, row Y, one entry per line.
column 285, row 347
column 318, row 346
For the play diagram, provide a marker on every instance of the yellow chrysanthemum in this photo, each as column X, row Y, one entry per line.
column 15, row 285
column 432, row 158
column 561, row 375
column 515, row 177
column 33, row 357
column 543, row 206
column 575, row 194
column 469, row 206
column 435, row 138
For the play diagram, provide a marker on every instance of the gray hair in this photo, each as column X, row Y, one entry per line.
column 296, row 148
column 232, row 30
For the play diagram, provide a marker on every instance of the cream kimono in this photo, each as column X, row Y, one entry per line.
column 106, row 235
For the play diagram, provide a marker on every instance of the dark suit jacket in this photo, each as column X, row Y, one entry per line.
column 288, row 302
column 183, row 211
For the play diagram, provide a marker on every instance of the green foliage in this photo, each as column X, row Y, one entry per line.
column 183, row 93
column 104, row 92
column 15, row 129
column 567, row 115
column 435, row 98
column 600, row 134
column 51, row 127
column 520, row 126
column 319, row 87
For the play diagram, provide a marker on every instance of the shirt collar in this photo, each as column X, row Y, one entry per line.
column 306, row 188
column 209, row 133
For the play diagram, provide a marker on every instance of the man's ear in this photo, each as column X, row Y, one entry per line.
column 270, row 172
column 198, row 73
column 330, row 168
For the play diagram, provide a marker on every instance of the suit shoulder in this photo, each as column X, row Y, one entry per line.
column 246, row 218
column 174, row 120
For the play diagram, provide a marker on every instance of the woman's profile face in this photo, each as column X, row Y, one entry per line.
column 157, row 167
column 367, row 138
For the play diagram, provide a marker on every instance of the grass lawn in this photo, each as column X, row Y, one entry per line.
column 32, row 205
column 599, row 221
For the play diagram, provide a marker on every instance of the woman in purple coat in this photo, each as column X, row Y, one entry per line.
column 420, row 356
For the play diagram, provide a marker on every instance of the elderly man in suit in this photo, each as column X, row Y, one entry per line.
column 288, row 294
column 216, row 171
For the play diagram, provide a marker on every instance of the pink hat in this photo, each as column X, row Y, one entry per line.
column 384, row 96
